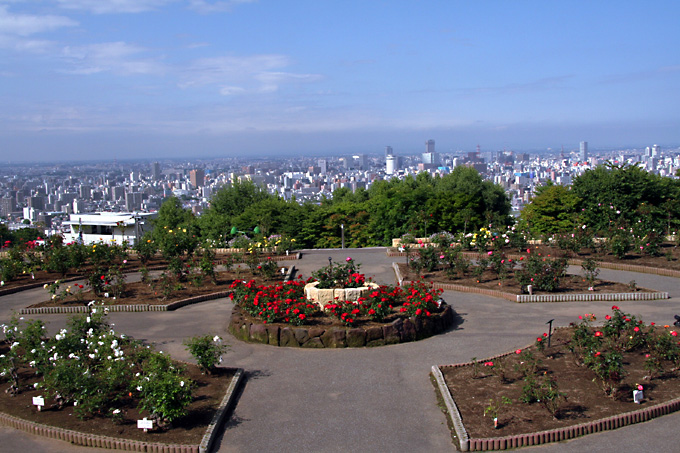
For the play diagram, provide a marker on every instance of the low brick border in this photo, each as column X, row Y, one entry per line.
column 541, row 437
column 399, row 331
column 113, row 443
column 526, row 298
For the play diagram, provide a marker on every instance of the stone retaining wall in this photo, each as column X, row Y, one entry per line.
column 399, row 331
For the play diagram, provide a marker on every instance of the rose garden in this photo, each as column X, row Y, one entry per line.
column 70, row 372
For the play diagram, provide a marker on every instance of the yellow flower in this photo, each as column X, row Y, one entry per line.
column 184, row 230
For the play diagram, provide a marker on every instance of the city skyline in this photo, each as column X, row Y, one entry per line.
column 87, row 80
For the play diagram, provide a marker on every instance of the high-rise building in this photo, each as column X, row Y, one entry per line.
column 392, row 165
column 7, row 206
column 430, row 157
column 323, row 166
column 388, row 151
column 197, row 177
column 583, row 152
column 156, row 171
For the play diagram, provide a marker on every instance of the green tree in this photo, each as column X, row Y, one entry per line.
column 553, row 209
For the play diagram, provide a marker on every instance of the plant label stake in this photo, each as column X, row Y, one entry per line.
column 495, row 422
column 145, row 424
column 38, row 401
column 637, row 396
column 549, row 330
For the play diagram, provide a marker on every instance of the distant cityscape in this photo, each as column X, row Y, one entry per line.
column 56, row 197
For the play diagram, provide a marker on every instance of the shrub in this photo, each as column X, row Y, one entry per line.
column 543, row 273
column 207, row 351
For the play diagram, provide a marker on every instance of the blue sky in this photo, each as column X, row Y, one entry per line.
column 89, row 79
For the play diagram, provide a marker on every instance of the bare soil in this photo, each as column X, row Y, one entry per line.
column 571, row 284
column 188, row 430
column 146, row 293
column 585, row 399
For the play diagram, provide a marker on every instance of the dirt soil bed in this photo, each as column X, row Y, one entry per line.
column 143, row 293
column 571, row 284
column 585, row 399
column 188, row 430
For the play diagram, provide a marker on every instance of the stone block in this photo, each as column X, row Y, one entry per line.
column 356, row 338
column 353, row 294
column 273, row 335
column 313, row 343
column 334, row 338
column 408, row 331
column 374, row 333
column 301, row 335
column 392, row 332
column 258, row 333
column 316, row 331
column 287, row 337
column 375, row 343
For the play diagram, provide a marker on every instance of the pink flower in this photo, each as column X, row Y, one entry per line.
column 519, row 351
column 441, row 257
column 488, row 364
column 640, row 387
column 674, row 333
column 489, row 253
column 636, row 329
column 348, row 259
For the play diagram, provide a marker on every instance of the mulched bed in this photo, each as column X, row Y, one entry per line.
column 188, row 430
column 571, row 284
column 143, row 293
column 586, row 401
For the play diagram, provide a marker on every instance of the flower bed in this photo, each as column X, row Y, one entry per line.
column 399, row 330
column 583, row 382
column 278, row 314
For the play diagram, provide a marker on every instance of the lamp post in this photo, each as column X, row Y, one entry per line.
column 342, row 234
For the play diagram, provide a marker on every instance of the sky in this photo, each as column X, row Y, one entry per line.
column 95, row 79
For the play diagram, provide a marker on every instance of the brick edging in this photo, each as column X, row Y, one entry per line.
column 541, row 437
column 115, row 443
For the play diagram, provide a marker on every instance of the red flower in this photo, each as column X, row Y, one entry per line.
column 674, row 333
column 607, row 317
column 545, row 334
column 597, row 353
column 598, row 334
column 614, row 307
column 636, row 329
column 539, row 339
column 488, row 364
column 519, row 351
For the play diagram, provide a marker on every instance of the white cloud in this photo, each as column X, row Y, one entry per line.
column 113, row 6
column 29, row 24
column 116, row 57
column 248, row 74
column 205, row 6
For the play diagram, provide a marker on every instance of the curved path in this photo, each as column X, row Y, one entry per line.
column 373, row 399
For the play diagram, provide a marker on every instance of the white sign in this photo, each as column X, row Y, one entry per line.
column 38, row 401
column 637, row 396
column 145, row 424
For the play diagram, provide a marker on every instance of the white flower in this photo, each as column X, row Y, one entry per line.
column 216, row 339
column 87, row 319
column 139, row 388
column 116, row 411
column 35, row 386
column 90, row 304
column 181, row 383
column 54, row 296
column 45, row 286
column 106, row 295
column 16, row 343
column 92, row 356
column 33, row 351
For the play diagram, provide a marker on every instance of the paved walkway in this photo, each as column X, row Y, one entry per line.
column 372, row 400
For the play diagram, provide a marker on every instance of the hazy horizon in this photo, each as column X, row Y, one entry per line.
column 83, row 80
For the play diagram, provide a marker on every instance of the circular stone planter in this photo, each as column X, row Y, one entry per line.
column 323, row 296
column 400, row 330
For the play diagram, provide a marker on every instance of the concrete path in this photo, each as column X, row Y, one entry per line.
column 372, row 400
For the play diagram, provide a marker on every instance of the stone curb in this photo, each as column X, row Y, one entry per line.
column 137, row 307
column 226, row 406
column 541, row 437
column 113, row 443
column 588, row 297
